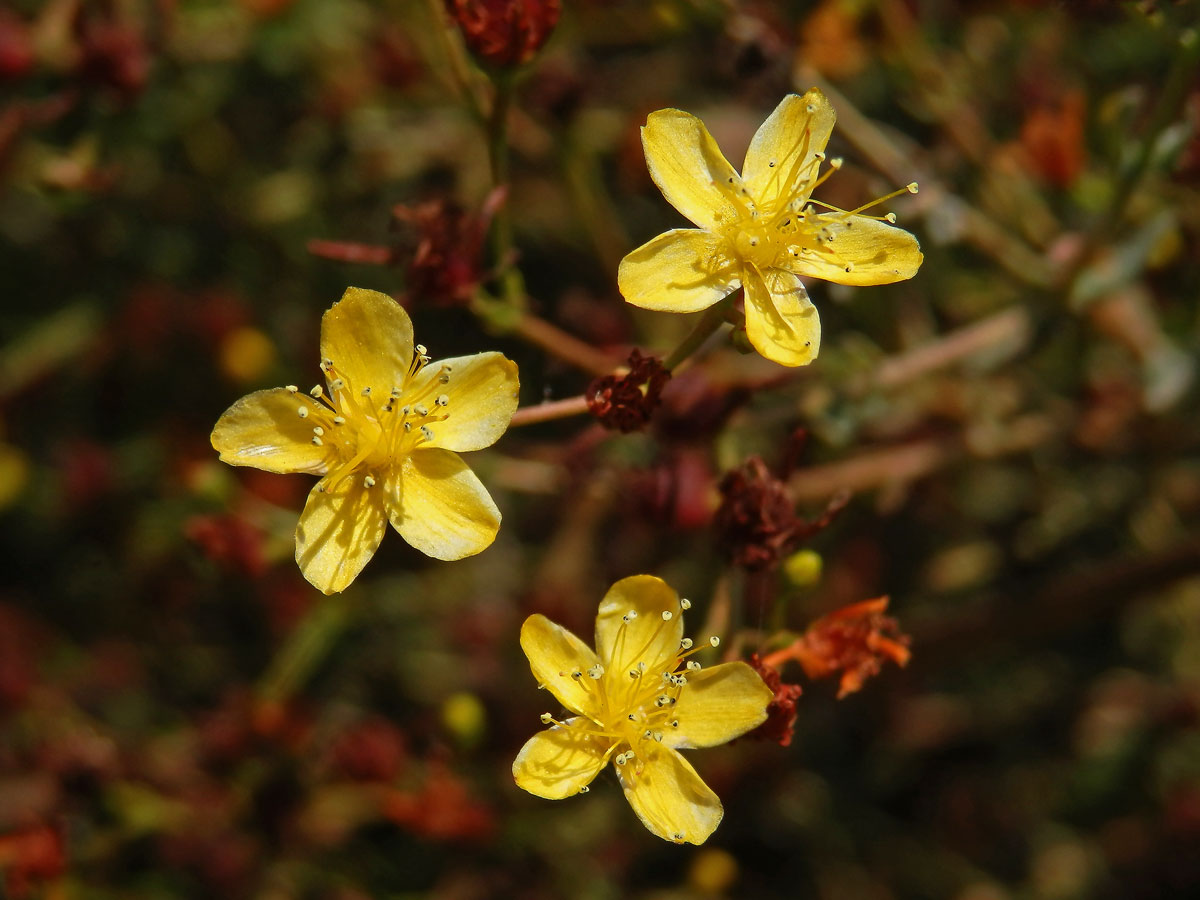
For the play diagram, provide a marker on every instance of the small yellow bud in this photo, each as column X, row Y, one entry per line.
column 464, row 717
column 803, row 568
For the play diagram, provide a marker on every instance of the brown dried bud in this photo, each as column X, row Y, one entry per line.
column 781, row 711
column 504, row 33
column 756, row 523
column 626, row 402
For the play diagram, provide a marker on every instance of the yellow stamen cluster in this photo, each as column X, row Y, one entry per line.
column 365, row 430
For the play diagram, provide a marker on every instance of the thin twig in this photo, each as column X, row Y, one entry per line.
column 562, row 345
column 550, row 410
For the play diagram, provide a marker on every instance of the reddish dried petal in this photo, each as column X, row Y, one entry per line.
column 781, row 711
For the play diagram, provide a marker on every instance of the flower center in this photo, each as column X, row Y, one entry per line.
column 637, row 707
column 758, row 243
column 367, row 428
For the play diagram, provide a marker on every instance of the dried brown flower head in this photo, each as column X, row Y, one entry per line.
column 504, row 33
column 756, row 523
column 755, row 518
column 626, row 402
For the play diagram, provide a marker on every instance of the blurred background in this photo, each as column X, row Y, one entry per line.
column 186, row 185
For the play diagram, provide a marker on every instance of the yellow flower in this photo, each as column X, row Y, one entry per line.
column 385, row 434
column 637, row 700
column 759, row 230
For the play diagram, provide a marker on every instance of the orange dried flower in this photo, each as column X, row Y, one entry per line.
column 854, row 640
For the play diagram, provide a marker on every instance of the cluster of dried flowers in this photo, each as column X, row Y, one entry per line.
column 384, row 430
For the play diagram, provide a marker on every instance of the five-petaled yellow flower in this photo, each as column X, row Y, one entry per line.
column 637, row 700
column 384, row 433
column 759, row 230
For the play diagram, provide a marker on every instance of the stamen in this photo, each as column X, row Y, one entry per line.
column 596, row 671
column 366, row 392
column 427, row 432
column 317, row 392
column 302, row 412
column 318, row 431
column 685, row 603
column 693, row 666
column 667, row 615
column 369, row 481
column 714, row 641
column 547, row 718
column 421, row 410
column 584, row 789
column 291, row 389
column 339, row 420
column 629, row 616
column 686, row 644
column 336, row 385
column 317, row 442
column 442, row 400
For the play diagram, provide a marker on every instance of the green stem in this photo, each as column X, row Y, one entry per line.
column 1170, row 102
column 511, row 284
column 305, row 648
column 713, row 317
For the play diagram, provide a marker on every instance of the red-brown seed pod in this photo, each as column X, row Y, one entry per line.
column 504, row 33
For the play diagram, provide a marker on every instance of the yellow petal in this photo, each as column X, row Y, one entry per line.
column 670, row 798
column 681, row 271
column 338, row 533
column 558, row 762
column 440, row 507
column 781, row 321
column 875, row 252
column 718, row 704
column 264, row 430
column 555, row 656
column 780, row 164
column 686, row 164
column 481, row 396
column 646, row 636
column 369, row 337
